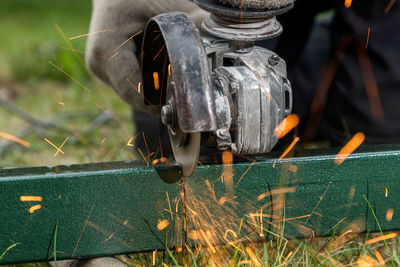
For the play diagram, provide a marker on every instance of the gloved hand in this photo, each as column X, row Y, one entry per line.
column 113, row 23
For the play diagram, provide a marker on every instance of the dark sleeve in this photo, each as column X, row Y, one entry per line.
column 297, row 25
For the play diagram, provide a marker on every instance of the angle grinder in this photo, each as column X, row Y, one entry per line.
column 214, row 87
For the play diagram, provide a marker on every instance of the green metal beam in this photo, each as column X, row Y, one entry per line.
column 114, row 208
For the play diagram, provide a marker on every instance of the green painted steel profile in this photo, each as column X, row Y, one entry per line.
column 114, row 208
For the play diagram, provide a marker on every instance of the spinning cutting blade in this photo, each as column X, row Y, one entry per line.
column 185, row 146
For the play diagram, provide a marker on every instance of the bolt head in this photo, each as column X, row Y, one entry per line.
column 166, row 115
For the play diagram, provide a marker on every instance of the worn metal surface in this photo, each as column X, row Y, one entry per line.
column 114, row 208
column 252, row 97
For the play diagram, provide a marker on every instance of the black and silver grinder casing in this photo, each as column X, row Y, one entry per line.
column 215, row 87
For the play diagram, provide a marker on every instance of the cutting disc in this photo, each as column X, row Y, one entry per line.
column 185, row 146
column 188, row 154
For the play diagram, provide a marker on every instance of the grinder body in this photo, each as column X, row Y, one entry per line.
column 215, row 87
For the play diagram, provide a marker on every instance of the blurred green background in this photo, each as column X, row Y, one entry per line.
column 34, row 39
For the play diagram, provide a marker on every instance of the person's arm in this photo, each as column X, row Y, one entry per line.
column 108, row 53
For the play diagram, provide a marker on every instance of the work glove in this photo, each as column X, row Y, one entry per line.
column 110, row 49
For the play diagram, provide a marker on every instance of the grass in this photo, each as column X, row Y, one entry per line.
column 31, row 37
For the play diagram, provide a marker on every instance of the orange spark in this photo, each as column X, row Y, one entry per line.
column 227, row 157
column 14, row 139
column 162, row 225
column 130, row 38
column 289, row 123
column 386, row 192
column 349, row 148
column 154, row 257
column 63, row 143
column 371, row 85
column 58, row 149
column 389, row 6
column 61, row 103
column 130, row 141
column 164, row 264
column 86, row 34
column 287, row 257
column 154, row 162
column 366, row 261
column 30, row 198
column 164, row 159
column 347, row 3
column 162, row 48
column 156, row 80
column 380, row 238
column 113, row 56
column 69, row 76
column 139, row 88
column 35, row 208
column 253, row 256
column 169, row 69
column 251, row 165
column 278, row 191
column 389, row 214
column 380, row 258
column 290, row 147
column 369, row 32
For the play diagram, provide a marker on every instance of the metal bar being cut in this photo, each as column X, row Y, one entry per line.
column 102, row 209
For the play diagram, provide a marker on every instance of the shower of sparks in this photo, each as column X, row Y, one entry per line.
column 288, row 124
column 380, row 258
column 380, row 238
column 389, row 214
column 368, row 34
column 290, row 147
column 53, row 145
column 14, row 139
column 69, row 76
column 347, row 3
column 389, row 6
column 63, row 143
column 30, row 198
column 86, row 34
column 349, row 148
column 35, row 208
